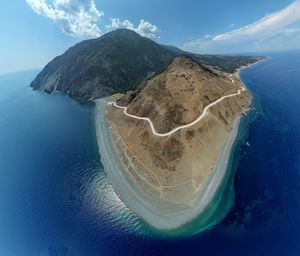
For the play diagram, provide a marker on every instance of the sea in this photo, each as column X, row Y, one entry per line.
column 55, row 199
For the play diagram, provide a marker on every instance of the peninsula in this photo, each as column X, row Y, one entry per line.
column 166, row 119
column 165, row 146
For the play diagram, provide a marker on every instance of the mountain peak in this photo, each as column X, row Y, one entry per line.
column 116, row 62
column 124, row 33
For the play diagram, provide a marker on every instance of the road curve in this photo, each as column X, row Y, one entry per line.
column 182, row 126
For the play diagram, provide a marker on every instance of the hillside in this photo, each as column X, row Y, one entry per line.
column 179, row 94
column 115, row 62
column 169, row 179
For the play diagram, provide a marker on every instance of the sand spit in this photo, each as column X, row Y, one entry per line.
column 159, row 213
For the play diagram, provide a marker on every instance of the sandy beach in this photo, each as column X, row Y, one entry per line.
column 158, row 213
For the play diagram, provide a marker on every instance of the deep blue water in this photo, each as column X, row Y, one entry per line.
column 55, row 199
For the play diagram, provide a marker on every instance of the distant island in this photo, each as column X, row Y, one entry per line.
column 166, row 120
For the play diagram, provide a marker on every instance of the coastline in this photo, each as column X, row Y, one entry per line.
column 209, row 208
column 224, row 198
column 238, row 71
column 168, row 218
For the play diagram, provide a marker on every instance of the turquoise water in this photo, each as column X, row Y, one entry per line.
column 55, row 199
column 212, row 215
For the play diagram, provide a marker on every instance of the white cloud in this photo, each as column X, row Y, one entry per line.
column 77, row 18
column 291, row 31
column 267, row 26
column 267, row 33
column 145, row 28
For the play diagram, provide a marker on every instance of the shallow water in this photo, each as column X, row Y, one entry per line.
column 211, row 206
column 54, row 196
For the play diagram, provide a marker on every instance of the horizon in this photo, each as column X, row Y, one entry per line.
column 48, row 28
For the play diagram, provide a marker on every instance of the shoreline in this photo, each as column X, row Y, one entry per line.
column 238, row 71
column 211, row 205
column 225, row 195
column 169, row 218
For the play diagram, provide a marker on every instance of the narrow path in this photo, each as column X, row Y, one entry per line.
column 231, row 79
column 182, row 126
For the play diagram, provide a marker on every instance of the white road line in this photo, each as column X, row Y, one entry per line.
column 232, row 80
column 182, row 126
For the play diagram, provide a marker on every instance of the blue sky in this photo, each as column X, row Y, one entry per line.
column 35, row 31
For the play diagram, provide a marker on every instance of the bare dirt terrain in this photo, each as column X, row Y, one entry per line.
column 175, row 168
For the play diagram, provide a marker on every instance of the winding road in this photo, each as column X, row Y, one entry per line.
column 205, row 110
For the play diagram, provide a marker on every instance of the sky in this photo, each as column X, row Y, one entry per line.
column 33, row 32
